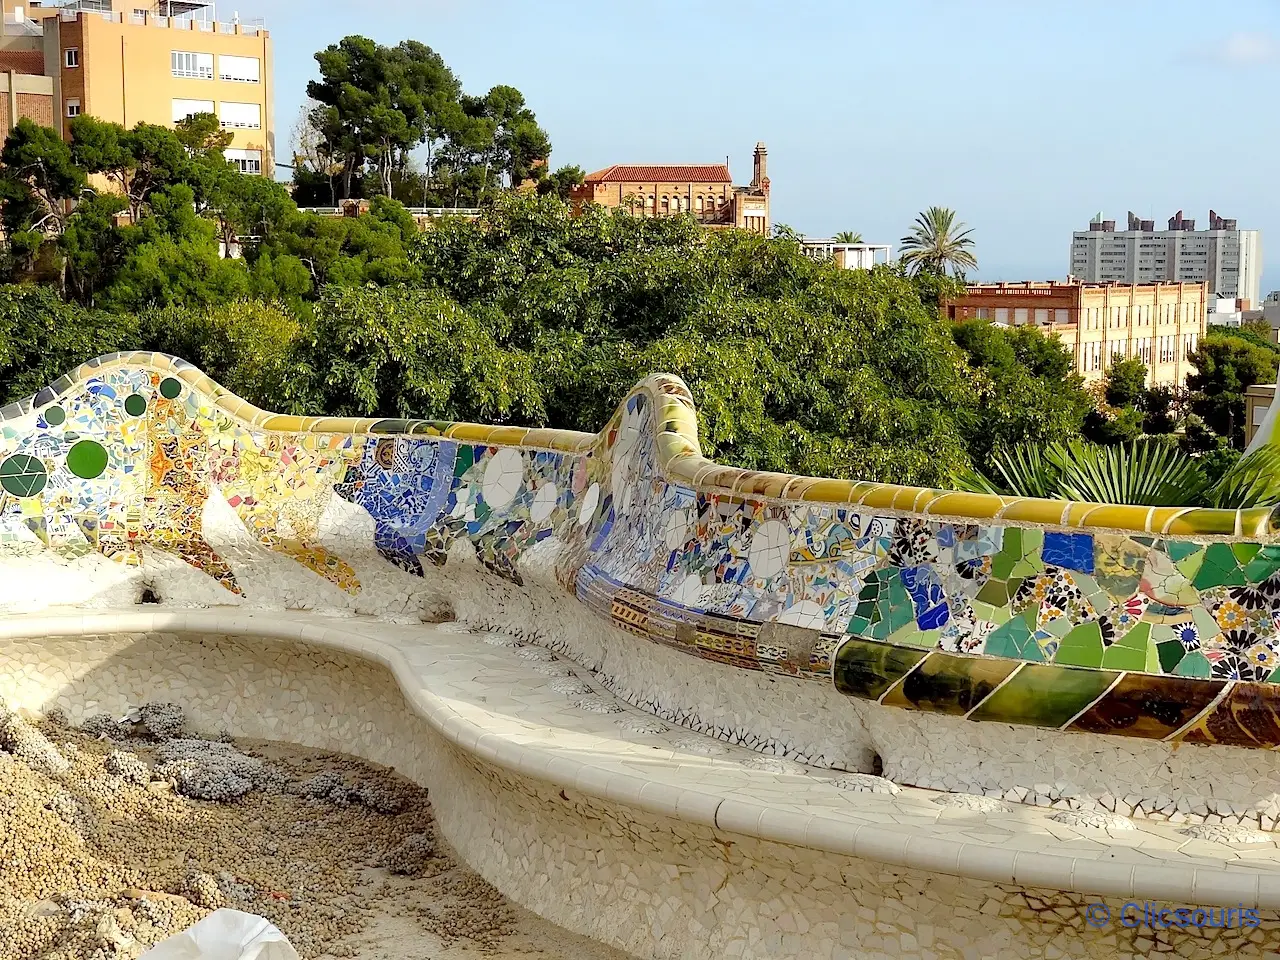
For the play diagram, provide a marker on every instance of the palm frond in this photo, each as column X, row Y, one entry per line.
column 972, row 480
column 1143, row 472
column 1027, row 470
column 1253, row 481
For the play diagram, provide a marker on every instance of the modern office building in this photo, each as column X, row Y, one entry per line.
column 1157, row 323
column 705, row 191
column 1226, row 258
column 129, row 61
column 850, row 256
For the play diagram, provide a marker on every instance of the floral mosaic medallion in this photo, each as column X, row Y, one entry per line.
column 1118, row 630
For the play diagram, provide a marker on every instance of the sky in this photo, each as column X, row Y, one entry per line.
column 1025, row 117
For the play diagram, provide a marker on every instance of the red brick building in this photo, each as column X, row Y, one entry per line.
column 705, row 191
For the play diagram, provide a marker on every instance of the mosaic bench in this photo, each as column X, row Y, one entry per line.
column 639, row 834
column 977, row 612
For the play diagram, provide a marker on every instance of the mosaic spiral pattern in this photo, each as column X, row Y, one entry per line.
column 1135, row 621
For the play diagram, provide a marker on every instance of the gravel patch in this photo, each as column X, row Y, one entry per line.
column 136, row 829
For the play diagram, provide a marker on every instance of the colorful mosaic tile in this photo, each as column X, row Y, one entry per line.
column 990, row 608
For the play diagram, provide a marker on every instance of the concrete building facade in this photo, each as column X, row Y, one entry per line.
column 1158, row 323
column 705, row 191
column 130, row 62
column 848, row 256
column 1228, row 260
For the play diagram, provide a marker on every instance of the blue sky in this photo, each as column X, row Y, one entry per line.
column 1026, row 117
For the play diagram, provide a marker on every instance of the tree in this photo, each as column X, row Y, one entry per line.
column 1226, row 366
column 1126, row 382
column 137, row 162
column 174, row 260
column 39, row 177
column 848, row 236
column 202, row 134
column 247, row 346
column 1027, row 385
column 562, row 182
column 94, row 247
column 376, row 103
column 937, row 242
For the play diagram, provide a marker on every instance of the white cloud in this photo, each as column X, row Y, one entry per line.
column 1245, row 50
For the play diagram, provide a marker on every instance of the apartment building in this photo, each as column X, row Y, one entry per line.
column 705, row 191
column 1225, row 258
column 847, row 256
column 1157, row 323
column 127, row 62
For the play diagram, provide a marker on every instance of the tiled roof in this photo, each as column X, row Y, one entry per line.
column 22, row 61
column 662, row 173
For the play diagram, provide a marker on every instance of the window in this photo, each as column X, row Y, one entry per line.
column 243, row 115
column 1019, row 315
column 246, row 161
column 73, row 108
column 1061, row 316
column 244, row 69
column 1042, row 315
column 197, row 65
column 72, row 56
column 1002, row 315
column 185, row 108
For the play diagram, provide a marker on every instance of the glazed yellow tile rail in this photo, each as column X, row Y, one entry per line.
column 1158, row 623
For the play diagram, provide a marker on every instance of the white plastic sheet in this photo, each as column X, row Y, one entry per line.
column 225, row 935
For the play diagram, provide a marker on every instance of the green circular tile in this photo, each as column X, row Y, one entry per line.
column 23, row 476
column 135, row 405
column 170, row 388
column 87, row 459
column 54, row 416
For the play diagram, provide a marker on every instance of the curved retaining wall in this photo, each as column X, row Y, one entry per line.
column 953, row 615
column 602, row 840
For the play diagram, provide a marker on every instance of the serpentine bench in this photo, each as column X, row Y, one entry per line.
column 1090, row 687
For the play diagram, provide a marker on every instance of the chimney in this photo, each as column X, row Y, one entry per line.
column 760, row 165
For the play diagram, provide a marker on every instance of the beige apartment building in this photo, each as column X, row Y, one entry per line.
column 703, row 190
column 128, row 61
column 1158, row 323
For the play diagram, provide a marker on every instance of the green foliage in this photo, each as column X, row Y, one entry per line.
column 1126, row 382
column 794, row 365
column 1148, row 472
column 397, row 352
column 848, row 236
column 375, row 104
column 1144, row 472
column 247, row 346
column 1226, row 366
column 174, row 260
column 562, row 182
column 1027, row 384
column 1251, row 481
column 348, row 251
column 1111, row 425
column 93, row 247
column 42, row 338
column 39, row 177
column 938, row 242
column 1026, row 469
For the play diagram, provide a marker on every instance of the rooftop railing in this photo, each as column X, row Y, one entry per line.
column 156, row 20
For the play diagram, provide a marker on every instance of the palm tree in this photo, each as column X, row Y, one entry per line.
column 938, row 241
column 848, row 236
